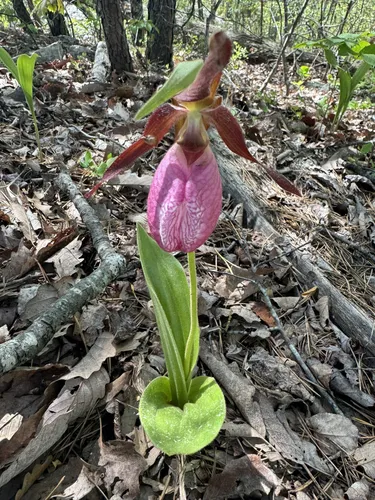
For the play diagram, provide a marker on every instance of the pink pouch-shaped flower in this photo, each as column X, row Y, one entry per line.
column 184, row 202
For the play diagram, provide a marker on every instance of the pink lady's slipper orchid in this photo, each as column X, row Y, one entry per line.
column 184, row 202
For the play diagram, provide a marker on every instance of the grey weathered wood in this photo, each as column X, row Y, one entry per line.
column 351, row 319
column 102, row 65
column 25, row 346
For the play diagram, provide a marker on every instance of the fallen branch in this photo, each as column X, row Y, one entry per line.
column 28, row 344
column 352, row 320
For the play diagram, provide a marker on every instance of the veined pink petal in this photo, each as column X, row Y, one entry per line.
column 184, row 202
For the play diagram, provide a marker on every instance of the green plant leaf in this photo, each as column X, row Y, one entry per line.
column 368, row 55
column 366, row 148
column 173, row 359
column 359, row 75
column 181, row 77
column 9, row 63
column 345, row 94
column 186, row 431
column 344, row 49
column 166, row 278
column 25, row 66
column 170, row 295
column 331, row 58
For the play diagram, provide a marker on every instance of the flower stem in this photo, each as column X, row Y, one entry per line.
column 192, row 343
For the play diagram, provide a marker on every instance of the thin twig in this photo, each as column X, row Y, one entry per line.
column 28, row 344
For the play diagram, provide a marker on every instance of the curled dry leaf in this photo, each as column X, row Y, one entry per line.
column 365, row 458
column 341, row 385
column 242, row 477
column 116, row 472
column 333, row 379
column 263, row 312
column 322, row 306
column 23, row 403
column 360, row 490
column 92, row 362
column 240, row 389
column 67, row 259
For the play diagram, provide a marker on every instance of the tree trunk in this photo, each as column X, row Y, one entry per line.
column 137, row 14
column 211, row 18
column 113, row 26
column 160, row 40
column 200, row 10
column 22, row 13
column 57, row 24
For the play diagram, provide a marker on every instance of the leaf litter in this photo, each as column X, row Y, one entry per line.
column 280, row 438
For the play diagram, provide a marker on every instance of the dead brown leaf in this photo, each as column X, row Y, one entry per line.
column 360, row 490
column 34, row 300
column 334, row 432
column 278, row 375
column 21, row 261
column 242, row 477
column 92, row 362
column 76, row 398
column 116, row 473
column 68, row 258
column 365, row 458
column 262, row 311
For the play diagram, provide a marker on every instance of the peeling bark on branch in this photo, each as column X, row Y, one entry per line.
column 28, row 344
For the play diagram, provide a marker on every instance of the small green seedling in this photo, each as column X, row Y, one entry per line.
column 96, row 169
column 179, row 413
column 355, row 45
column 367, row 148
column 23, row 72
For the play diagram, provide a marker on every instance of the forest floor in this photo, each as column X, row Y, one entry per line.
column 69, row 421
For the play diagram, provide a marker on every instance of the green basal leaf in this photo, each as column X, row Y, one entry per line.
column 176, row 431
column 331, row 58
column 166, row 279
column 9, row 63
column 181, row 77
column 25, row 67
